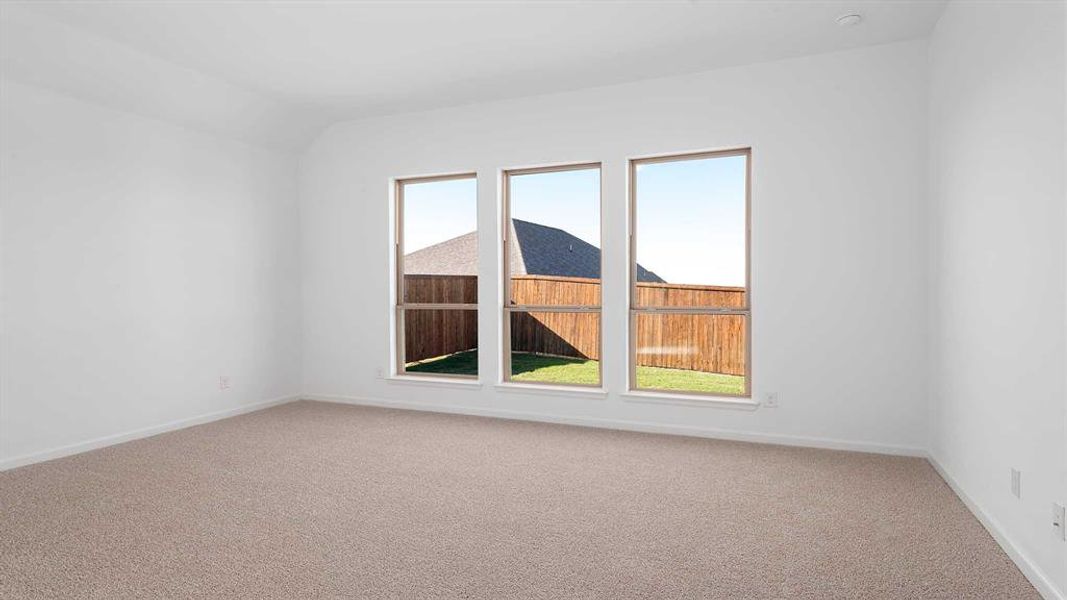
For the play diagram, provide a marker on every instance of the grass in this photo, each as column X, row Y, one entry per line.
column 556, row 369
column 460, row 363
column 684, row 380
column 553, row 369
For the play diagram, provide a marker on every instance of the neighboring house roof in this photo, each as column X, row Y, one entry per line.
column 457, row 256
column 535, row 250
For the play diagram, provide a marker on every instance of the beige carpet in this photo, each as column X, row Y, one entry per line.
column 314, row 500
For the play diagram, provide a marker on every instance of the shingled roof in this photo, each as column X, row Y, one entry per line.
column 535, row 250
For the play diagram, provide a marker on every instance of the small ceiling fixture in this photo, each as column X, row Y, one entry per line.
column 850, row 20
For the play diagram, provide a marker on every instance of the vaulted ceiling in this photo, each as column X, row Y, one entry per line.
column 276, row 72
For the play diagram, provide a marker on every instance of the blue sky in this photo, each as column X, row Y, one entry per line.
column 690, row 214
column 691, row 220
column 439, row 210
column 568, row 200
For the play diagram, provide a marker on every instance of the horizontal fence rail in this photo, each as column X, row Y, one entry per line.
column 710, row 343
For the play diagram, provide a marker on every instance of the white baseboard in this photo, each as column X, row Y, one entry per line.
column 1033, row 573
column 118, row 438
column 629, row 425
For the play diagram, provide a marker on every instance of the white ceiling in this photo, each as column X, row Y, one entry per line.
column 338, row 60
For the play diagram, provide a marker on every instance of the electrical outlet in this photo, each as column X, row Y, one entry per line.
column 380, row 373
column 224, row 382
column 1057, row 521
column 770, row 400
column 1016, row 483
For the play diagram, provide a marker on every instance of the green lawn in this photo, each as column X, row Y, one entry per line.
column 555, row 369
column 460, row 363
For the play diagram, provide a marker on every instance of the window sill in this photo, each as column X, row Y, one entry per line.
column 467, row 384
column 737, row 403
column 552, row 390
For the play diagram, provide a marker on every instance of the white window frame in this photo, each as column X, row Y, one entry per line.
column 509, row 308
column 400, row 306
column 634, row 310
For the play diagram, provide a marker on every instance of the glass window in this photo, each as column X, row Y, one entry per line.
column 552, row 262
column 689, row 275
column 437, row 276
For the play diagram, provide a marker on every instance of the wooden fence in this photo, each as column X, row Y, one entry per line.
column 430, row 333
column 444, row 289
column 710, row 343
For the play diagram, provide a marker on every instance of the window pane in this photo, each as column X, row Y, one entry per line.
column 440, row 241
column 555, row 347
column 690, row 232
column 440, row 341
column 554, row 252
column 691, row 352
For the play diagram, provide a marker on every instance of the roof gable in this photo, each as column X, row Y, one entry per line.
column 535, row 250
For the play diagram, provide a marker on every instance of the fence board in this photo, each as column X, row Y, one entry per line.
column 710, row 343
column 555, row 291
column 443, row 289
column 429, row 333
column 556, row 333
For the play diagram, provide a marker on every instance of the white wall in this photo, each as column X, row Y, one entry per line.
column 998, row 266
column 839, row 243
column 141, row 261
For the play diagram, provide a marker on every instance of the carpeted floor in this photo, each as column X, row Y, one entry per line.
column 315, row 500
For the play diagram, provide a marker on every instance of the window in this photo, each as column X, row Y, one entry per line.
column 689, row 275
column 552, row 246
column 437, row 276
